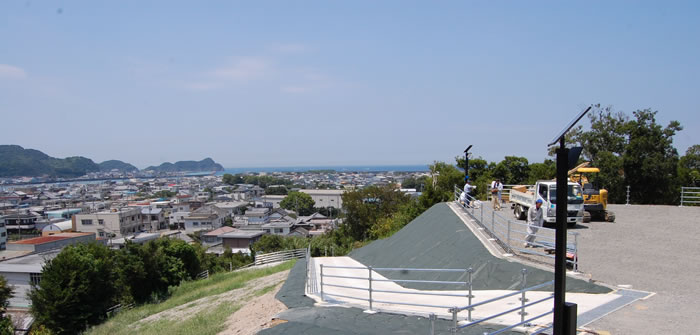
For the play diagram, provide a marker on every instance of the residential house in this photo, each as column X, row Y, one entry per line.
column 115, row 223
column 207, row 217
column 153, row 218
column 241, row 240
column 214, row 237
column 326, row 198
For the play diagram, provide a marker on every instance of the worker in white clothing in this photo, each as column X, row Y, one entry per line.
column 496, row 189
column 535, row 220
column 468, row 190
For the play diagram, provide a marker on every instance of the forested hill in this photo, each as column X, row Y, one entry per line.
column 110, row 165
column 204, row 165
column 16, row 161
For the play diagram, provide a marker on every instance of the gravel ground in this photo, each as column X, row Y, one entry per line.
column 651, row 248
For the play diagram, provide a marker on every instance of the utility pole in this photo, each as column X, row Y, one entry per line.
column 564, row 313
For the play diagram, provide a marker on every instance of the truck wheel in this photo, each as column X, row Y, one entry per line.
column 586, row 216
column 610, row 216
column 519, row 212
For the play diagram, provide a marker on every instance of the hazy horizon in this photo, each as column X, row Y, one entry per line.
column 335, row 83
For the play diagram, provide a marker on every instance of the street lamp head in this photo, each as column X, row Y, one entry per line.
column 469, row 147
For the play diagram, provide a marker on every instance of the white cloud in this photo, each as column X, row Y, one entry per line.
column 12, row 72
column 244, row 69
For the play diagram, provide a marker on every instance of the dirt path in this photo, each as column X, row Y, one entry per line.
column 237, row 296
column 256, row 315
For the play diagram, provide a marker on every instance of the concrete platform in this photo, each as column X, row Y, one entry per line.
column 588, row 304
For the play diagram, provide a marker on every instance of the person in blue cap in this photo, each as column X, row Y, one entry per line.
column 535, row 219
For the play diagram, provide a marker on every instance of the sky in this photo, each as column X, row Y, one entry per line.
column 327, row 83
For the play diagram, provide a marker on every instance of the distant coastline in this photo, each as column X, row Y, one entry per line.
column 339, row 168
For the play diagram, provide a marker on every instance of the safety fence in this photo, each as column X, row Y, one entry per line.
column 513, row 235
column 203, row 275
column 690, row 196
column 280, row 256
column 329, row 283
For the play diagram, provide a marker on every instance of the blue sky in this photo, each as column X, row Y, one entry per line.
column 287, row 83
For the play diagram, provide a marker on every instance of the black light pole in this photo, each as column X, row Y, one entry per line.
column 564, row 313
column 466, row 162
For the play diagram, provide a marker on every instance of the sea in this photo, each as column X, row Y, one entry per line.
column 342, row 168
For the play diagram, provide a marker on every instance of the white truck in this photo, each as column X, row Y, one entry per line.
column 523, row 197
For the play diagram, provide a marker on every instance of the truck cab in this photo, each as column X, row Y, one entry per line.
column 524, row 197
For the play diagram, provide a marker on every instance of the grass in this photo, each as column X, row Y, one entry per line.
column 206, row 322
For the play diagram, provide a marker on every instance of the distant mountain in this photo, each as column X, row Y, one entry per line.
column 110, row 165
column 16, row 161
column 204, row 165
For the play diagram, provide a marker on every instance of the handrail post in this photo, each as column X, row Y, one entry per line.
column 454, row 319
column 482, row 214
column 470, row 271
column 576, row 251
column 523, row 300
column 432, row 318
column 509, row 228
column 322, row 299
column 493, row 222
column 370, row 286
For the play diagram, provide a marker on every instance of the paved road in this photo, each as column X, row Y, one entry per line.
column 651, row 248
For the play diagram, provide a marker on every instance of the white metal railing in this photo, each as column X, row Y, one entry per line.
column 522, row 309
column 370, row 290
column 280, row 256
column 690, row 196
column 469, row 307
column 511, row 233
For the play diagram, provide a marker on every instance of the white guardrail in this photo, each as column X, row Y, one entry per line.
column 511, row 233
column 690, row 196
column 323, row 287
column 280, row 256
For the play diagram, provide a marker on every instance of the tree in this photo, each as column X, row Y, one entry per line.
column 411, row 182
column 366, row 207
column 231, row 179
column 276, row 190
column 689, row 167
column 608, row 133
column 299, row 202
column 512, row 170
column 541, row 171
column 650, row 161
column 76, row 289
column 6, row 327
column 164, row 194
column 440, row 187
column 611, row 176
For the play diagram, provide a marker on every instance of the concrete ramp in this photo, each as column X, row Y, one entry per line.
column 438, row 238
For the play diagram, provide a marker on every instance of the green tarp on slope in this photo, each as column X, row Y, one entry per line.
column 439, row 239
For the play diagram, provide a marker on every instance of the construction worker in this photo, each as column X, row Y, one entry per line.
column 496, row 189
column 468, row 190
column 535, row 220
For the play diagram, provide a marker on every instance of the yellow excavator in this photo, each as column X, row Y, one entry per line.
column 595, row 201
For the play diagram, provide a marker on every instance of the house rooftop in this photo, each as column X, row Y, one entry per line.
column 220, row 231
column 243, row 234
column 47, row 239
